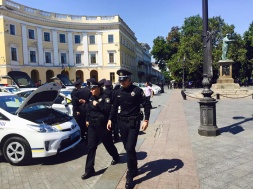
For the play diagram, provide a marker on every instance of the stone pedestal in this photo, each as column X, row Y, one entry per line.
column 225, row 80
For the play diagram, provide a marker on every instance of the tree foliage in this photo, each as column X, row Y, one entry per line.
column 187, row 41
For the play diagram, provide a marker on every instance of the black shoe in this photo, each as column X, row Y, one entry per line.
column 129, row 183
column 88, row 175
column 115, row 161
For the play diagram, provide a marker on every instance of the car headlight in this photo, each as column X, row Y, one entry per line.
column 43, row 128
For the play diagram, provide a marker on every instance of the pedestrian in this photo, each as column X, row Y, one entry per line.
column 129, row 98
column 148, row 91
column 98, row 110
column 76, row 105
column 109, row 91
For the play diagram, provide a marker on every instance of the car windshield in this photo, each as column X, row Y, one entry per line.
column 13, row 102
column 10, row 103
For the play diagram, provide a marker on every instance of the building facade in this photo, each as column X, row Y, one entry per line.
column 44, row 44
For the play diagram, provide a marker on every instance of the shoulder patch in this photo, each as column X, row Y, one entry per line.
column 107, row 100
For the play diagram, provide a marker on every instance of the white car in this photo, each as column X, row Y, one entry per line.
column 9, row 89
column 30, row 129
column 155, row 88
column 61, row 103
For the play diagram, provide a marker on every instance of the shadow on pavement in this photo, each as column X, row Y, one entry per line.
column 236, row 127
column 157, row 167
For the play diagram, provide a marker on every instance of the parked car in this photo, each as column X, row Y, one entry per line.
column 29, row 128
column 20, row 79
column 156, row 89
column 9, row 89
column 63, row 102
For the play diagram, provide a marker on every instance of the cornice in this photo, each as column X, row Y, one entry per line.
column 57, row 23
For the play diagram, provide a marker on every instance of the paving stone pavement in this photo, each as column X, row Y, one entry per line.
column 171, row 154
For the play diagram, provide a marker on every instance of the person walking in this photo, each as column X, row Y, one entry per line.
column 98, row 110
column 129, row 98
column 76, row 106
column 84, row 95
column 109, row 91
column 148, row 91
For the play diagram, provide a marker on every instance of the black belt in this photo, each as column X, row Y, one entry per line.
column 129, row 118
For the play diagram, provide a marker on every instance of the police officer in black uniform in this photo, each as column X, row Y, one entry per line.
column 76, row 105
column 98, row 110
column 84, row 95
column 109, row 91
column 129, row 98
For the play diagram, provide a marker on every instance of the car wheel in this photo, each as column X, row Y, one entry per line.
column 17, row 151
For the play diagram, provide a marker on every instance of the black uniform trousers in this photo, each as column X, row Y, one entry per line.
column 97, row 132
column 129, row 130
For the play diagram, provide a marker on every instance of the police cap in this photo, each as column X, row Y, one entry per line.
column 94, row 84
column 123, row 74
column 78, row 82
column 102, row 81
column 108, row 83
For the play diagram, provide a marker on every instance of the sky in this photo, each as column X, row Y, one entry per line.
column 149, row 19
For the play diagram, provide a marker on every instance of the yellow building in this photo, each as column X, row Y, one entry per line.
column 44, row 44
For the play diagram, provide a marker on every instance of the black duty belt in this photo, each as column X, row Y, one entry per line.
column 129, row 118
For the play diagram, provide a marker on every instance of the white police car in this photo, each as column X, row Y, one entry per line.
column 29, row 128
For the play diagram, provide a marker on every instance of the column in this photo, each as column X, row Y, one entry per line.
column 24, row 44
column 71, row 53
column 56, row 49
column 40, row 46
column 100, row 52
column 85, row 55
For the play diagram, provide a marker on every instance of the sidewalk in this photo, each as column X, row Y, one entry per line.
column 171, row 153
column 165, row 156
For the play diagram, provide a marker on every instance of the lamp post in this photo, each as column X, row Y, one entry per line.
column 183, row 65
column 207, row 103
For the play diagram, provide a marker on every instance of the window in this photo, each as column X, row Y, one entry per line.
column 112, row 77
column 46, row 36
column 110, row 38
column 12, row 29
column 31, row 34
column 111, row 57
column 92, row 39
column 62, row 38
column 14, row 56
column 77, row 39
column 48, row 57
column 3, row 117
column 93, row 58
column 32, row 56
column 63, row 58
column 78, row 58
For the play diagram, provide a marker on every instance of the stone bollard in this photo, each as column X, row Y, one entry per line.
column 183, row 94
column 218, row 96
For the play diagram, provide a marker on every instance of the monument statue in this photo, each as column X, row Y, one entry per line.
column 225, row 46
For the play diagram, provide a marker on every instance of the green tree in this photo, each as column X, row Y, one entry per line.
column 187, row 42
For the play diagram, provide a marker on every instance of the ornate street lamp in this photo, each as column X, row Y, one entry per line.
column 207, row 103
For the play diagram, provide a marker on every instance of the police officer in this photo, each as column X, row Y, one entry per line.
column 98, row 111
column 76, row 105
column 84, row 95
column 129, row 98
column 109, row 91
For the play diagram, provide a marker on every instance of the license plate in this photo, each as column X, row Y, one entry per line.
column 74, row 135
